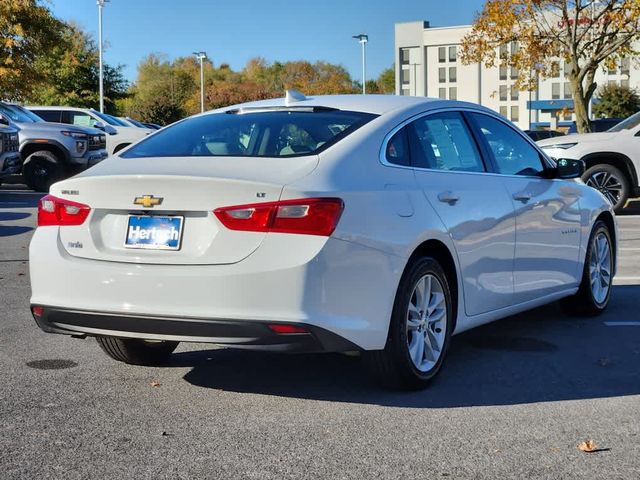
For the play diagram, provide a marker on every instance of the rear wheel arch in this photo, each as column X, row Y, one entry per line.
column 440, row 252
column 618, row 160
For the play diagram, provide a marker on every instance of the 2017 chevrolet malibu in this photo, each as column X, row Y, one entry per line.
column 381, row 224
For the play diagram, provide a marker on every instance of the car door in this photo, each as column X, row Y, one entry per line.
column 473, row 205
column 547, row 211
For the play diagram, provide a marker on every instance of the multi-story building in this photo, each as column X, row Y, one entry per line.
column 428, row 64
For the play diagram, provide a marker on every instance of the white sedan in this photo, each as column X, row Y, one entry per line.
column 380, row 224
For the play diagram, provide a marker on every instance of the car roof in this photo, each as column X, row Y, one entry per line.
column 53, row 107
column 376, row 104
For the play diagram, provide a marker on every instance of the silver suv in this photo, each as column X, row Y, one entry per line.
column 119, row 134
column 53, row 151
column 9, row 156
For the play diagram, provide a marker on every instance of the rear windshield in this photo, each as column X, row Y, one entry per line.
column 281, row 133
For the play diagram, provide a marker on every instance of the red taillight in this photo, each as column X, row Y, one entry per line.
column 57, row 211
column 285, row 328
column 308, row 216
column 37, row 310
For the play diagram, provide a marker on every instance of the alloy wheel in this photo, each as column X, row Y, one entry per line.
column 426, row 322
column 608, row 184
column 600, row 268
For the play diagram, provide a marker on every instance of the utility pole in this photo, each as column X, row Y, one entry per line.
column 363, row 39
column 201, row 56
column 100, row 4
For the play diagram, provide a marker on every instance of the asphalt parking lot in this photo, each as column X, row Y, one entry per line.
column 514, row 400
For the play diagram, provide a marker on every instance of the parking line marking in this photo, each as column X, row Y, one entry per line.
column 622, row 324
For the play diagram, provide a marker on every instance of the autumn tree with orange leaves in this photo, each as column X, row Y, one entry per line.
column 586, row 34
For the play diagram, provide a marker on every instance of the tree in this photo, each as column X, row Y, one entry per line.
column 27, row 30
column 614, row 101
column 69, row 73
column 387, row 80
column 586, row 34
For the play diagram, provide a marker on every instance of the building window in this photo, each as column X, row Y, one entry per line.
column 612, row 83
column 555, row 69
column 452, row 74
column 452, row 54
column 503, row 72
column 404, row 56
column 625, row 66
column 503, row 111
column 503, row 51
column 442, row 93
column 453, row 93
column 567, row 90
column 405, row 76
column 404, row 91
column 514, row 73
column 566, row 115
column 442, row 54
column 514, row 47
column 624, row 83
column 515, row 93
column 613, row 71
column 555, row 91
column 442, row 75
column 503, row 93
column 515, row 112
column 567, row 69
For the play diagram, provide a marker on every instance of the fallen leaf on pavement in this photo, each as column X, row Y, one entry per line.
column 155, row 383
column 588, row 446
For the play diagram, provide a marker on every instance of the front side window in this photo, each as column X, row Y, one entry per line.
column 512, row 153
column 442, row 141
column 49, row 115
column 79, row 118
column 277, row 133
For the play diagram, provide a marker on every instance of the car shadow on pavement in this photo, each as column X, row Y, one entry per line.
column 538, row 356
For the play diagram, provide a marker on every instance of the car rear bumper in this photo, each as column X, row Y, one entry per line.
column 241, row 334
column 344, row 288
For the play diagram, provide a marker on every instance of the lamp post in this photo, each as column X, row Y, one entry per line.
column 100, row 4
column 363, row 39
column 201, row 56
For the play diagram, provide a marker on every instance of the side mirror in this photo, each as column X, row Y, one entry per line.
column 99, row 126
column 568, row 168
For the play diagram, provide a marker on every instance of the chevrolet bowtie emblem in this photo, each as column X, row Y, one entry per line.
column 148, row 201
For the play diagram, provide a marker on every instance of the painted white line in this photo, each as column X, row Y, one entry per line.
column 629, row 249
column 622, row 324
column 626, row 278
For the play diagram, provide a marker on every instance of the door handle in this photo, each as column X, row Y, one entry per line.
column 448, row 197
column 522, row 197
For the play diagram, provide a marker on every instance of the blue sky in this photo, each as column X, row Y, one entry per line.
column 233, row 31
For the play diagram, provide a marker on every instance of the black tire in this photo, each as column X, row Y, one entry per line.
column 583, row 302
column 602, row 176
column 393, row 366
column 137, row 352
column 41, row 170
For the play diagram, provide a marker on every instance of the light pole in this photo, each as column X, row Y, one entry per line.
column 201, row 56
column 363, row 39
column 100, row 4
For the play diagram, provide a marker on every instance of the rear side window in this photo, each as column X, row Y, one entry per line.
column 48, row 115
column 397, row 151
column 442, row 141
column 277, row 133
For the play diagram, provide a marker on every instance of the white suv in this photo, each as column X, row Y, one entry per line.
column 119, row 134
column 612, row 158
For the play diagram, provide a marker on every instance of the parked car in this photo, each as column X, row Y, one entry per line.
column 53, row 151
column 536, row 135
column 153, row 126
column 119, row 134
column 133, row 122
column 597, row 125
column 612, row 159
column 383, row 224
column 10, row 162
